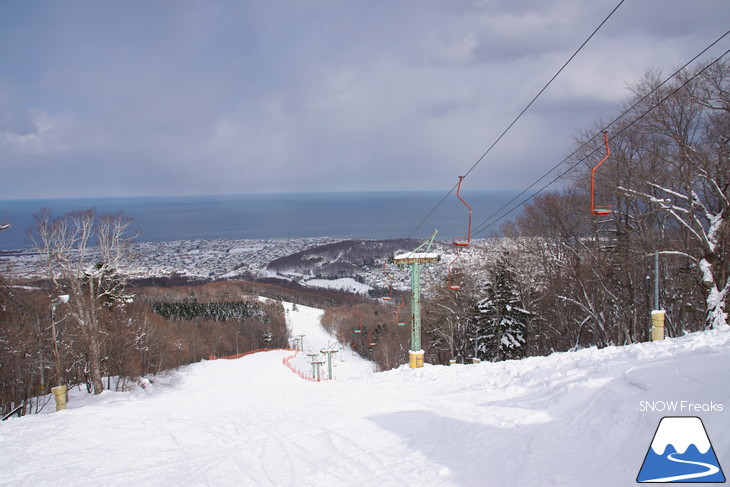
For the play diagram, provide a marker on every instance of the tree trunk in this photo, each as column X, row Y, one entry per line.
column 95, row 362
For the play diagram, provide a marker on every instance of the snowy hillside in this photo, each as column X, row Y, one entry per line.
column 570, row 419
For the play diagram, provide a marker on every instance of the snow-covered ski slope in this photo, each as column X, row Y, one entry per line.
column 305, row 322
column 570, row 419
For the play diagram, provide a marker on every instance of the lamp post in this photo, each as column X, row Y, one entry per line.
column 60, row 300
column 40, row 357
column 657, row 315
column 60, row 391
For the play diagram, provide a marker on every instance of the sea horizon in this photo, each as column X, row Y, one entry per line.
column 361, row 214
column 226, row 195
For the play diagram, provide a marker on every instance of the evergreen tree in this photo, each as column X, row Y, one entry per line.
column 499, row 324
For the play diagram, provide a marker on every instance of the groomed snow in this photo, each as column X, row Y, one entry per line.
column 305, row 322
column 570, row 419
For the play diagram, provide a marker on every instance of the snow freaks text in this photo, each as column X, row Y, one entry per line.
column 680, row 407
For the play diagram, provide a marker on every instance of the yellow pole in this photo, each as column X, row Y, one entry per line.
column 657, row 325
column 59, row 393
column 416, row 359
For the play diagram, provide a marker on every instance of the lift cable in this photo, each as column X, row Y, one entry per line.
column 492, row 220
column 489, row 149
column 486, row 223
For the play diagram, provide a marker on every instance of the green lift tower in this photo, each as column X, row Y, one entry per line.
column 416, row 260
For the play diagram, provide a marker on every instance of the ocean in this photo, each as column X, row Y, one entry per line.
column 366, row 215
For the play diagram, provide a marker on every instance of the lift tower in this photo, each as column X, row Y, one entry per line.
column 416, row 260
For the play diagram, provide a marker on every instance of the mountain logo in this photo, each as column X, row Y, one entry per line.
column 680, row 452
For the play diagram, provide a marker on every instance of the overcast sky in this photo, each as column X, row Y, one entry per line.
column 184, row 97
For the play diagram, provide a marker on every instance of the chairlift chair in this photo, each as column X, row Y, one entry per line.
column 453, row 286
column 599, row 210
column 358, row 329
column 397, row 319
column 371, row 342
column 390, row 296
column 458, row 241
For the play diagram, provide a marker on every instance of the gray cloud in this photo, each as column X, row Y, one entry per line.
column 134, row 98
column 16, row 122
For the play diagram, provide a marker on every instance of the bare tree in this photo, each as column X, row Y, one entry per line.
column 82, row 251
column 694, row 127
column 447, row 318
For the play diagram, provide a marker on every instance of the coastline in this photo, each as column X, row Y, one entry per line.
column 376, row 215
column 248, row 259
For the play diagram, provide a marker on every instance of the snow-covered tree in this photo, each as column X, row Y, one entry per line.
column 499, row 324
column 693, row 185
column 446, row 319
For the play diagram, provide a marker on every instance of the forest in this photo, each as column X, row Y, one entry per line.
column 156, row 329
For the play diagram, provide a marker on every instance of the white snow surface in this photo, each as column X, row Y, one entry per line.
column 569, row 419
column 306, row 321
column 344, row 283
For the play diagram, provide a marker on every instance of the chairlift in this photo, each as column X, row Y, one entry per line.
column 370, row 337
column 599, row 210
column 359, row 329
column 390, row 296
column 460, row 242
column 402, row 303
column 453, row 286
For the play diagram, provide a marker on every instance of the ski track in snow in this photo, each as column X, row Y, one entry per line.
column 569, row 419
